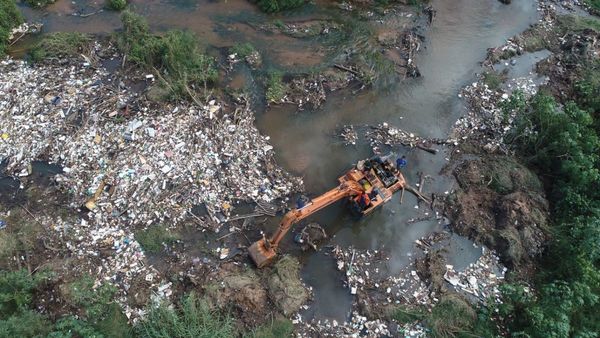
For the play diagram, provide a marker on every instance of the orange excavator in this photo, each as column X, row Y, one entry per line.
column 367, row 186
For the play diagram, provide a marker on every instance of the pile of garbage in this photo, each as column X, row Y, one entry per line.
column 156, row 163
column 122, row 261
column 480, row 279
column 368, row 276
column 384, row 134
column 131, row 163
column 357, row 326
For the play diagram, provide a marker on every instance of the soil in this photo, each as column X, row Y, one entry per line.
column 501, row 204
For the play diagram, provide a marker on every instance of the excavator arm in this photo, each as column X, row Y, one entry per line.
column 263, row 251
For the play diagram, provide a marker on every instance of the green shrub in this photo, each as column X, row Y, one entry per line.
column 61, row 44
column 152, row 238
column 243, row 49
column 275, row 87
column 194, row 318
column 116, row 5
column 176, row 55
column 274, row 6
column 17, row 290
column 39, row 3
column 10, row 17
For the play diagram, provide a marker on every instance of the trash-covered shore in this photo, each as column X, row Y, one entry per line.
column 132, row 163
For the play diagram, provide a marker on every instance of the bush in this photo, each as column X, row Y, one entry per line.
column 16, row 296
column 61, row 44
column 116, row 5
column 275, row 87
column 176, row 55
column 10, row 17
column 152, row 238
column 274, row 6
column 194, row 318
column 243, row 49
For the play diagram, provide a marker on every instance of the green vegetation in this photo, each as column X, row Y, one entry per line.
column 492, row 79
column 562, row 143
column 20, row 235
column 101, row 317
column 116, row 5
column 39, row 3
column 152, row 238
column 193, row 319
column 10, row 17
column 404, row 314
column 274, row 6
column 243, row 49
column 275, row 87
column 176, row 56
column 595, row 4
column 275, row 329
column 574, row 23
column 451, row 317
column 61, row 44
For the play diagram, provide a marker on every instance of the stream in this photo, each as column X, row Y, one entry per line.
column 305, row 141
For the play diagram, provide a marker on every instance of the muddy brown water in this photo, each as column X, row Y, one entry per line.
column 304, row 141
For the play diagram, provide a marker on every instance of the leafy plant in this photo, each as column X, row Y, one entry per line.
column 275, row 87
column 10, row 17
column 116, row 5
column 176, row 56
column 243, row 49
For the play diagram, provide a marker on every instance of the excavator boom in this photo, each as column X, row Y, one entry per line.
column 375, row 180
column 263, row 251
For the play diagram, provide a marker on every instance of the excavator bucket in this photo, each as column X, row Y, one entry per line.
column 260, row 254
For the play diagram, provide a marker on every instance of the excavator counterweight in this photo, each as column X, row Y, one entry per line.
column 366, row 179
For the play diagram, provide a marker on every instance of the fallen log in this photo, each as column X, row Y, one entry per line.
column 417, row 193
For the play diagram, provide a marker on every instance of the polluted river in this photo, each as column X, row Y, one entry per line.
column 306, row 140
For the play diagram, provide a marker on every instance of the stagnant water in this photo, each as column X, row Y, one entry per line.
column 304, row 142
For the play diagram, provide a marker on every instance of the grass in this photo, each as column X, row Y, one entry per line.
column 175, row 56
column 243, row 49
column 152, row 238
column 404, row 314
column 10, row 17
column 276, row 328
column 193, row 318
column 274, row 6
column 577, row 24
column 492, row 79
column 275, row 87
column 595, row 4
column 20, row 235
column 116, row 5
column 61, row 44
column 451, row 317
